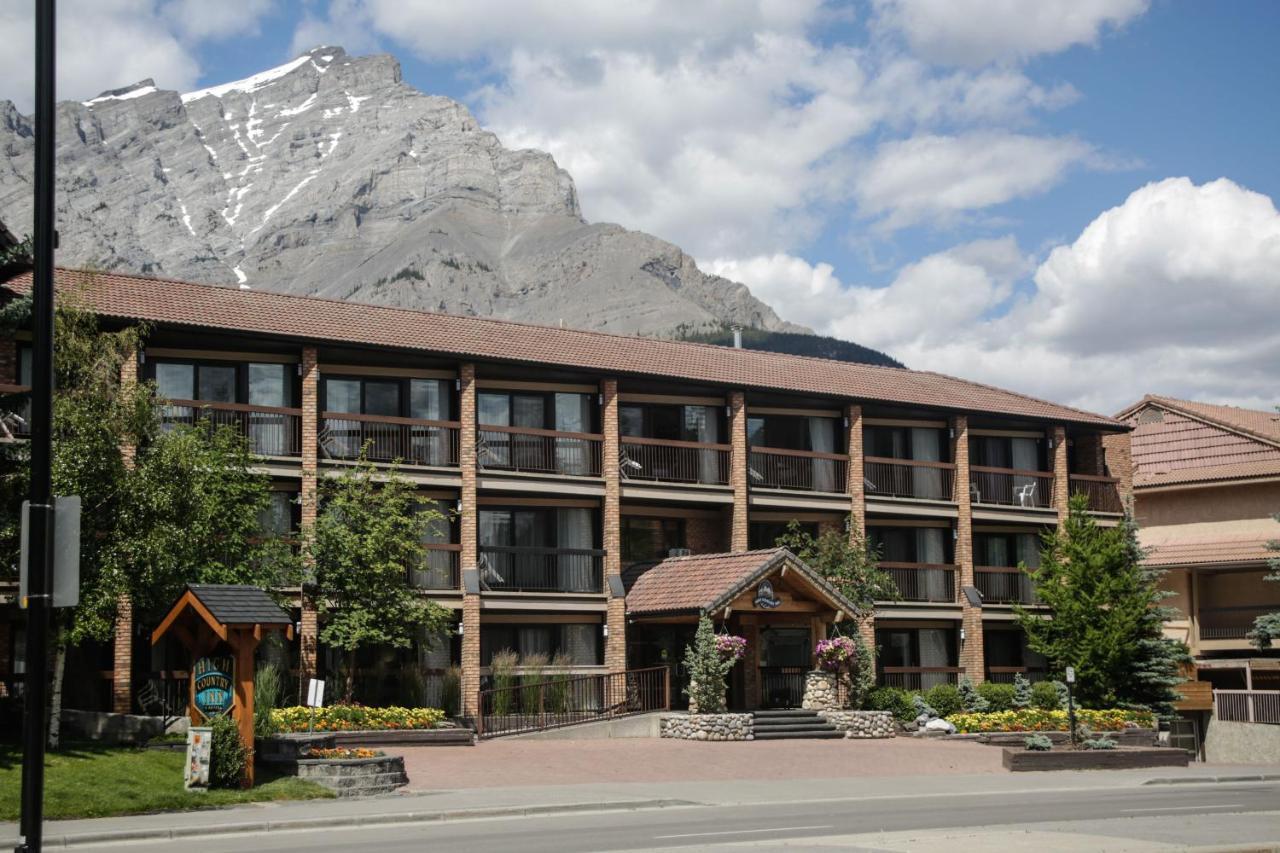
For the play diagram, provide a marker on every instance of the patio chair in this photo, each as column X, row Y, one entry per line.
column 975, row 494
column 1025, row 495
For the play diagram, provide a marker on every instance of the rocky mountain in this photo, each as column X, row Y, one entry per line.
column 330, row 176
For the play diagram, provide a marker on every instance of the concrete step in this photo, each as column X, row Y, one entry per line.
column 794, row 727
column 818, row 735
column 784, row 712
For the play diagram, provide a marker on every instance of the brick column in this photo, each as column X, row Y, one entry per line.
column 468, row 526
column 615, row 652
column 8, row 362
column 128, row 380
column 972, row 655
column 1061, row 478
column 308, row 496
column 1117, row 457
column 749, row 624
column 122, row 660
column 738, row 460
column 857, row 486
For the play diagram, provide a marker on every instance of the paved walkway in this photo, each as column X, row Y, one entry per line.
column 508, row 763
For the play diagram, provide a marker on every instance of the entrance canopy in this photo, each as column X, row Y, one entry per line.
column 769, row 581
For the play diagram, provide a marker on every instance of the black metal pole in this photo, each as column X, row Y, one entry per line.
column 40, row 530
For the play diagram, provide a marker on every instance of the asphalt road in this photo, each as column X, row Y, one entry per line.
column 1096, row 813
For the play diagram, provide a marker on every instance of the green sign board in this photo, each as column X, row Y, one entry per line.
column 212, row 686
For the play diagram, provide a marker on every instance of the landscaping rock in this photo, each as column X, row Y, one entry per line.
column 862, row 724
column 940, row 725
column 716, row 727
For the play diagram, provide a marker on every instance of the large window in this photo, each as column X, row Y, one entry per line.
column 578, row 643
column 535, row 549
column 924, row 650
column 703, row 424
column 648, row 539
column 912, row 544
column 564, row 412
column 1025, row 454
column 279, row 520
column 375, row 398
column 267, row 386
column 1006, row 549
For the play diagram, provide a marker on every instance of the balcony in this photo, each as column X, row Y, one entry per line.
column 1007, row 674
column 538, row 451
column 505, row 568
column 909, row 478
column 15, row 422
column 1103, row 493
column 919, row 677
column 1011, row 487
column 271, row 431
column 923, row 581
column 439, row 568
column 410, row 441
column 800, row 470
column 1230, row 623
column 1004, row 585
column 671, row 461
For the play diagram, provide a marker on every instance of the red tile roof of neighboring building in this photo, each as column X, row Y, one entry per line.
column 1211, row 543
column 1209, row 553
column 1178, row 442
column 260, row 312
column 710, row 581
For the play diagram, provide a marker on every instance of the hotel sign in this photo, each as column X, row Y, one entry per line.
column 765, row 599
column 212, row 686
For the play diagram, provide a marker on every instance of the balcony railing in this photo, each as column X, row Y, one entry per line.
column 409, row 440
column 1011, row 487
column 541, row 451
column 1103, row 493
column 803, row 470
column 15, row 416
column 923, row 581
column 562, row 699
column 674, row 461
column 524, row 569
column 1004, row 585
column 1007, row 674
column 919, row 677
column 909, row 478
column 1230, row 623
column 1247, row 706
column 271, row 430
column 438, row 569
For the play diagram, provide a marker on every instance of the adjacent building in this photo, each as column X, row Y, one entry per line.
column 572, row 462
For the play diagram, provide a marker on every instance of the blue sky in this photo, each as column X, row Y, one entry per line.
column 1035, row 194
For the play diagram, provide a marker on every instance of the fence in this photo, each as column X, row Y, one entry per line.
column 909, row 478
column 674, row 461
column 271, row 431
column 919, row 677
column 540, row 451
column 527, row 569
column 923, row 581
column 565, row 700
column 802, row 470
column 387, row 439
column 1247, row 706
column 1011, row 487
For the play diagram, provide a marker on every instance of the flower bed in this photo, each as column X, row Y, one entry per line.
column 355, row 718
column 1037, row 720
column 343, row 753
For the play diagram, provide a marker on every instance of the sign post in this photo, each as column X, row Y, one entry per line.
column 315, row 699
column 1071, row 703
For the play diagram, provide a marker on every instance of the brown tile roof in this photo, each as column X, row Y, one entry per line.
column 1179, row 442
column 1209, row 543
column 1209, row 554
column 255, row 311
column 709, row 581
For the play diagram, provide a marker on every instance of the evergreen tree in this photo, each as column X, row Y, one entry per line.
column 1107, row 620
column 1021, row 691
column 970, row 698
column 707, row 670
column 1266, row 628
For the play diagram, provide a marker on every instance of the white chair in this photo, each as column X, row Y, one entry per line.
column 1025, row 494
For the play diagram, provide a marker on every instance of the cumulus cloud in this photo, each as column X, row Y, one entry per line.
column 197, row 20
column 1175, row 291
column 976, row 32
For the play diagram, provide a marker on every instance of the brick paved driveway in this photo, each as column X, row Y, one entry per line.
column 506, row 763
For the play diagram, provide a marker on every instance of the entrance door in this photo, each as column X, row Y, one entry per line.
column 785, row 656
column 1184, row 733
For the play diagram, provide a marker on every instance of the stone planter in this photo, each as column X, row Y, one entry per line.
column 1122, row 758
column 1124, row 737
column 820, row 691
column 862, row 724
column 707, row 727
column 353, row 777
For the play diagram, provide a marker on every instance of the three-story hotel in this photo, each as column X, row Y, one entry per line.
column 602, row 489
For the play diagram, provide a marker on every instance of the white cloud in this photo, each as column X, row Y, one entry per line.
column 197, row 20
column 1175, row 291
column 976, row 32
column 932, row 177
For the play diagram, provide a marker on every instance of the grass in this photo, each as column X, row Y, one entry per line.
column 90, row 780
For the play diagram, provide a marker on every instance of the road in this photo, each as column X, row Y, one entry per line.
column 1133, row 818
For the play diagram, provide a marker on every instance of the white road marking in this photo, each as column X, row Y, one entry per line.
column 740, row 832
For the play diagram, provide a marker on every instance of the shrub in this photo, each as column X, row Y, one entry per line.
column 944, row 699
column 1102, row 742
column 557, row 698
column 230, row 755
column 355, row 718
column 1038, row 743
column 893, row 699
column 1037, row 720
column 1045, row 696
column 1064, row 693
column 921, row 707
column 999, row 697
column 451, row 691
column 707, row 669
column 503, row 668
column 970, row 698
column 268, row 689
column 535, row 666
column 1021, row 691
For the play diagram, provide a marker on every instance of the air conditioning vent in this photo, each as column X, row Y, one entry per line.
column 679, row 552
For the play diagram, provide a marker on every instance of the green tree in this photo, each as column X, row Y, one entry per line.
column 707, row 670
column 1107, row 620
column 848, row 562
column 366, row 539
column 1266, row 628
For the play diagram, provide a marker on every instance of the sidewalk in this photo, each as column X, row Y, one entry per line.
column 497, row 801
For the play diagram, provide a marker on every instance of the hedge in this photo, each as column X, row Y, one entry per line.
column 1037, row 720
column 348, row 718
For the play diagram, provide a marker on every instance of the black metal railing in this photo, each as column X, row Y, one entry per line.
column 387, row 439
column 1008, row 674
column 523, row 569
column 271, row 430
column 539, row 451
column 1004, row 585
column 782, row 686
column 919, row 677
column 1102, row 493
column 801, row 470
column 553, row 700
column 923, row 581
column 674, row 461
column 1011, row 487
column 908, row 478
column 439, row 568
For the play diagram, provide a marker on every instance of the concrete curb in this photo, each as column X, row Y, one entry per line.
column 174, row 833
column 1193, row 780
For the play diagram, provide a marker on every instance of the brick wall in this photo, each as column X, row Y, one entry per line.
column 738, row 534
column 615, row 652
column 8, row 362
column 706, row 535
column 128, row 379
column 1116, row 450
column 470, row 653
column 468, row 526
column 122, row 659
column 857, row 484
column 972, row 654
column 1088, row 454
column 1061, row 470
column 309, row 627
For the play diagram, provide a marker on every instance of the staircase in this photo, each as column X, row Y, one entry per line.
column 791, row 724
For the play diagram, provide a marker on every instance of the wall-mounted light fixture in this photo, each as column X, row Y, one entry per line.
column 457, row 384
column 962, row 635
column 142, row 356
column 605, row 631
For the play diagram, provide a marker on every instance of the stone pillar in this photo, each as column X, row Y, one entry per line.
column 972, row 655
column 122, row 658
column 820, row 691
column 1061, row 475
column 738, row 460
column 309, row 500
column 615, row 651
column 468, row 527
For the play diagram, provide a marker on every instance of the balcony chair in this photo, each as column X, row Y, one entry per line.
column 975, row 494
column 1025, row 495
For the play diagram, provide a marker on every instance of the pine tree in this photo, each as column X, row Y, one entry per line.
column 1021, row 691
column 970, row 698
column 1107, row 620
column 707, row 670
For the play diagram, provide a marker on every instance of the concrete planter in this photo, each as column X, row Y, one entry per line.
column 353, row 777
column 707, row 727
column 1123, row 758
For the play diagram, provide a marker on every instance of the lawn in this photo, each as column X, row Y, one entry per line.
column 89, row 780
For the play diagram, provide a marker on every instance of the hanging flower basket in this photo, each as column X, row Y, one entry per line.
column 731, row 647
column 836, row 654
